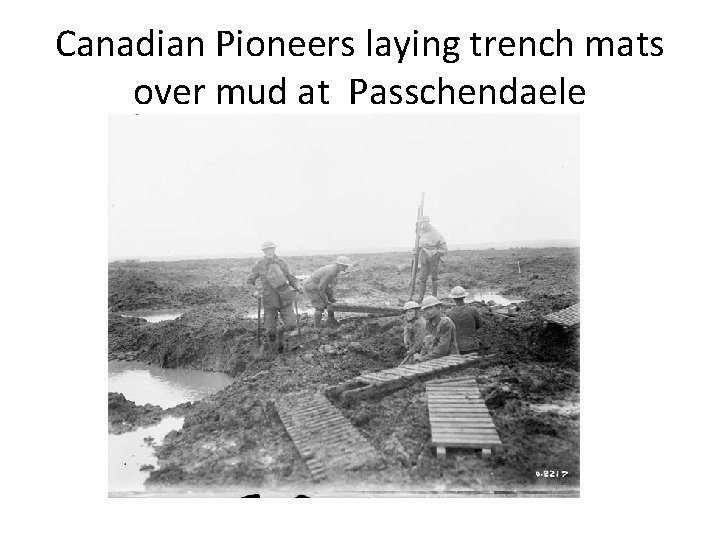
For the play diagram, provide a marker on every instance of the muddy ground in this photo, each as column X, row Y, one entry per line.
column 234, row 437
column 124, row 415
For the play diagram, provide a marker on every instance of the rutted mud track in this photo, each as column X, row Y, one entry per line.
column 235, row 437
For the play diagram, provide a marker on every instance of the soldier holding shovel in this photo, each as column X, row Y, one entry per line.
column 277, row 286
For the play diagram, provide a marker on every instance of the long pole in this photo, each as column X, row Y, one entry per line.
column 259, row 311
column 416, row 253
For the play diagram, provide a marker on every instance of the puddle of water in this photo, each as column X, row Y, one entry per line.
column 563, row 409
column 128, row 452
column 143, row 384
column 488, row 295
column 154, row 316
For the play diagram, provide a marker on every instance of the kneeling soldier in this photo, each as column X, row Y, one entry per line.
column 467, row 322
column 440, row 337
column 414, row 331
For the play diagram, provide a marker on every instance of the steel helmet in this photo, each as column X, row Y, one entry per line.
column 458, row 292
column 410, row 305
column 429, row 301
column 267, row 244
column 342, row 259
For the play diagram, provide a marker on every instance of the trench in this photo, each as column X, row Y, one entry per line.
column 138, row 382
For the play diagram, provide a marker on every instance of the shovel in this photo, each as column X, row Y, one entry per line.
column 257, row 349
column 297, row 314
column 408, row 357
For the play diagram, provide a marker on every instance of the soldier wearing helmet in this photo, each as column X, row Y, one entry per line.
column 276, row 287
column 432, row 247
column 467, row 322
column 319, row 288
column 440, row 337
column 414, row 331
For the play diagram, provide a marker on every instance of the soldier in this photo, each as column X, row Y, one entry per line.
column 414, row 331
column 319, row 288
column 432, row 247
column 467, row 322
column 276, row 282
column 440, row 337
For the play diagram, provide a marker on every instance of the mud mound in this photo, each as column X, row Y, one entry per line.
column 212, row 338
column 527, row 337
column 123, row 336
column 127, row 291
column 232, row 439
column 125, row 415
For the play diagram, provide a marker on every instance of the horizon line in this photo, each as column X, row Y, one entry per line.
column 567, row 242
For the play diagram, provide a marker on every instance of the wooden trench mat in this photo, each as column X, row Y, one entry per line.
column 326, row 440
column 568, row 318
column 379, row 383
column 459, row 417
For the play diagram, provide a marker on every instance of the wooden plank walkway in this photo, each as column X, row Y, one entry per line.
column 326, row 440
column 379, row 383
column 373, row 310
column 459, row 417
column 567, row 318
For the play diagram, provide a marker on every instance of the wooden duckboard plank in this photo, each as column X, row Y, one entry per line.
column 458, row 416
column 373, row 310
column 567, row 318
column 325, row 439
column 369, row 385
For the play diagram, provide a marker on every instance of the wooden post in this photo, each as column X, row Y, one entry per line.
column 416, row 253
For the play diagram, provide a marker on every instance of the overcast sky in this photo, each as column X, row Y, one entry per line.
column 219, row 185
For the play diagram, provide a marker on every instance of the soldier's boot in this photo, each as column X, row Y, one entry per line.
column 272, row 346
column 434, row 288
column 280, row 342
column 332, row 321
column 421, row 291
column 318, row 319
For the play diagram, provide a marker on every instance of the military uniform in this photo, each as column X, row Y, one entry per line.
column 440, row 339
column 467, row 322
column 276, row 280
column 432, row 248
column 319, row 289
column 413, row 335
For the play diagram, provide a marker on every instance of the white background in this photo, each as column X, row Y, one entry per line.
column 648, row 174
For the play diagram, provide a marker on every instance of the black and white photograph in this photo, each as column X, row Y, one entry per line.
column 344, row 305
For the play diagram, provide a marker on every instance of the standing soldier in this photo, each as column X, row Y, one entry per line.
column 276, row 281
column 432, row 247
column 414, row 331
column 440, row 337
column 319, row 288
column 467, row 322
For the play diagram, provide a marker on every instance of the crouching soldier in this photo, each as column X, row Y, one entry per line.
column 319, row 288
column 414, row 331
column 440, row 337
column 467, row 322
column 276, row 282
